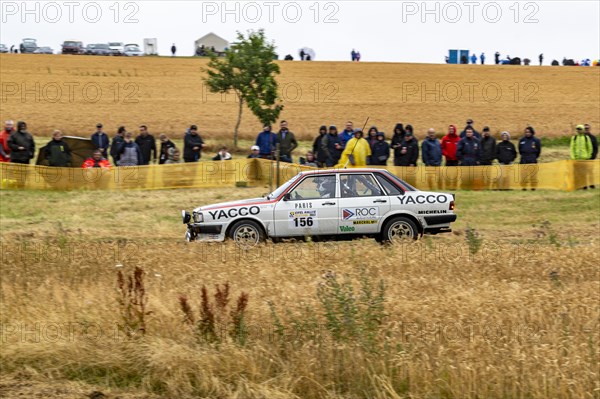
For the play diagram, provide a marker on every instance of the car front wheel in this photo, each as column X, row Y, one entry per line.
column 246, row 233
column 399, row 229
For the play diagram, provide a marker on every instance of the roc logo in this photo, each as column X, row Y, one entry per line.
column 347, row 214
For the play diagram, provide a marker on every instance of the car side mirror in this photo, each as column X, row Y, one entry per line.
column 287, row 196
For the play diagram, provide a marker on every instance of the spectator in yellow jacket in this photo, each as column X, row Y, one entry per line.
column 356, row 153
column 581, row 145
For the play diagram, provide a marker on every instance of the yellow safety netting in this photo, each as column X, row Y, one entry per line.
column 561, row 175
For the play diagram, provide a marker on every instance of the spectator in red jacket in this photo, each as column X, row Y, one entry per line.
column 9, row 127
column 449, row 143
column 96, row 161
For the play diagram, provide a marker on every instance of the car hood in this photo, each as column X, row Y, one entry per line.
column 246, row 202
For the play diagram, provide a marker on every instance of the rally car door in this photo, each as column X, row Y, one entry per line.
column 363, row 204
column 310, row 208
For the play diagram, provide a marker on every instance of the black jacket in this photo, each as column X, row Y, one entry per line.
column 164, row 151
column 412, row 153
column 380, row 153
column 58, row 153
column 21, row 139
column 114, row 148
column 189, row 142
column 594, row 146
column 147, row 146
column 488, row 150
column 506, row 153
column 332, row 154
column 321, row 156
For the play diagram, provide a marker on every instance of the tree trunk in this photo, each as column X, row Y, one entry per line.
column 237, row 125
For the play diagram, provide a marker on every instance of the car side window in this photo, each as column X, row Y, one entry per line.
column 357, row 185
column 390, row 188
column 315, row 187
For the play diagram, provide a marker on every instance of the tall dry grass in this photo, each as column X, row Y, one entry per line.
column 74, row 93
column 507, row 321
column 516, row 317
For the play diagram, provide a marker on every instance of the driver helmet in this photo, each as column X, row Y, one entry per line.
column 326, row 186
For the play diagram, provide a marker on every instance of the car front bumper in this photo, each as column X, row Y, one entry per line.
column 204, row 232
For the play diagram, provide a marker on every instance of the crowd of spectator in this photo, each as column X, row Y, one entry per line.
column 467, row 148
column 330, row 148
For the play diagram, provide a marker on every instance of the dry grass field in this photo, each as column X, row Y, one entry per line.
column 507, row 306
column 515, row 318
column 72, row 93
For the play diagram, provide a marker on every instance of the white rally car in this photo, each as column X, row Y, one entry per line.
column 327, row 203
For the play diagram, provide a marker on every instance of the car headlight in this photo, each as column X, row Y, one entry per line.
column 198, row 217
column 185, row 216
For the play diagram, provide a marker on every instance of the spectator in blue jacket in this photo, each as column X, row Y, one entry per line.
column 468, row 150
column 530, row 147
column 267, row 142
column 431, row 149
column 100, row 140
column 347, row 134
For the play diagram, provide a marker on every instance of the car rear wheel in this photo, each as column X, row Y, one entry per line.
column 246, row 233
column 399, row 229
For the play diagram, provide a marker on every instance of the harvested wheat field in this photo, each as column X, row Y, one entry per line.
column 110, row 301
column 72, row 93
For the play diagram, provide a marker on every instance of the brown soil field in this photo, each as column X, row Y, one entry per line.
column 73, row 93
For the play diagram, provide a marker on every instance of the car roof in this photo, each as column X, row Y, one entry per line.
column 335, row 171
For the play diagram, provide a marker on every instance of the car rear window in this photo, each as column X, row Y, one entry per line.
column 388, row 186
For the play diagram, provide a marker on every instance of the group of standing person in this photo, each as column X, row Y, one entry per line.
column 467, row 148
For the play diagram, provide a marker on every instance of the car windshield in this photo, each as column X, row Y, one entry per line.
column 281, row 189
column 132, row 48
column 115, row 44
column 103, row 46
column 71, row 44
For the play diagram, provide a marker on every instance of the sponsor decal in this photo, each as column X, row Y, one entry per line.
column 303, row 205
column 347, row 229
column 423, row 199
column 303, row 219
column 347, row 214
column 432, row 212
column 364, row 222
column 360, row 213
column 234, row 212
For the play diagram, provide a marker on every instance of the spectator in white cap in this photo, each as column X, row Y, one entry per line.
column 255, row 152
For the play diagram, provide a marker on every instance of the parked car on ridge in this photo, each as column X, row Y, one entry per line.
column 133, row 50
column 98, row 49
column 117, row 47
column 73, row 47
column 43, row 50
column 3, row 48
column 28, row 45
